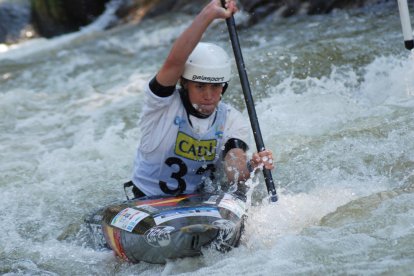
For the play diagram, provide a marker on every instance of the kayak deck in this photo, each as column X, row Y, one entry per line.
column 154, row 229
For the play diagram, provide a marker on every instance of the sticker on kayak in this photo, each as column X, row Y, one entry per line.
column 238, row 207
column 186, row 212
column 147, row 208
column 159, row 236
column 128, row 218
column 212, row 199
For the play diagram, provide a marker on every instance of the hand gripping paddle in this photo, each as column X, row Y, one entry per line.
column 231, row 25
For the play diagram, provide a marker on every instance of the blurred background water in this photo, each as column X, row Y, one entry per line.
column 334, row 95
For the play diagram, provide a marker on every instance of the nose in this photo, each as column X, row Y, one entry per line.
column 210, row 92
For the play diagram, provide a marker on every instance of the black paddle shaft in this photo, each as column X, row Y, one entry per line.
column 231, row 25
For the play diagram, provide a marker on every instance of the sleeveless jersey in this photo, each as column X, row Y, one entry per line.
column 188, row 160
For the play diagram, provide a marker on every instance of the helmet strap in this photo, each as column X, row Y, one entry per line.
column 226, row 84
column 188, row 106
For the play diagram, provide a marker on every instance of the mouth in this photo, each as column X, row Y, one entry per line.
column 205, row 108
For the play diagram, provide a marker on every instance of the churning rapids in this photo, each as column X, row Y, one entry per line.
column 335, row 98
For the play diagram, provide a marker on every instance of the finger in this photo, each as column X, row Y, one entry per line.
column 266, row 153
column 230, row 7
column 223, row 4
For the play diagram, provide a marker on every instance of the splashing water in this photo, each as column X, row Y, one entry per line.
column 334, row 96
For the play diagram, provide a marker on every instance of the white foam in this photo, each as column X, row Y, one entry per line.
column 70, row 133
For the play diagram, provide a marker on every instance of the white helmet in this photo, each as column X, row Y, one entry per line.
column 208, row 63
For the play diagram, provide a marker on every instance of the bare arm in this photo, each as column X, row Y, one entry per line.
column 173, row 66
column 235, row 163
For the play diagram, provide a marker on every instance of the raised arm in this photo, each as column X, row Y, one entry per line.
column 173, row 66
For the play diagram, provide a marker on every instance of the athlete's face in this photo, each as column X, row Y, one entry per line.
column 204, row 96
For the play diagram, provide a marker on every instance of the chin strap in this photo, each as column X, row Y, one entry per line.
column 226, row 84
column 189, row 107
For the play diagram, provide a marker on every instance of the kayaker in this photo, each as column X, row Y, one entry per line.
column 188, row 134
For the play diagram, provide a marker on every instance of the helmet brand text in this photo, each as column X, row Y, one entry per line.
column 208, row 79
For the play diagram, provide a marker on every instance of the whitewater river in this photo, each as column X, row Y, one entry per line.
column 335, row 98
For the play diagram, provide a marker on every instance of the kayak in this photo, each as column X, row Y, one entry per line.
column 155, row 229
